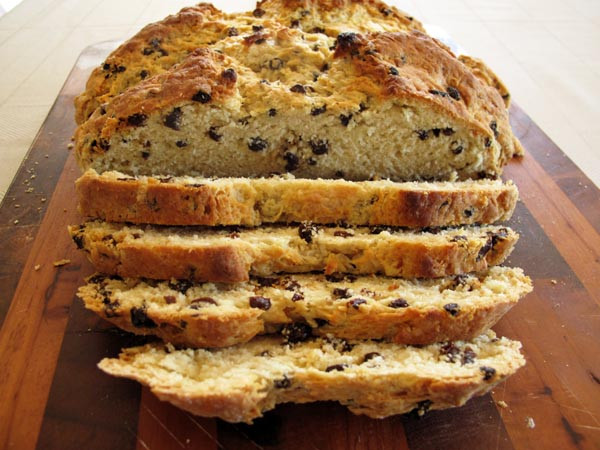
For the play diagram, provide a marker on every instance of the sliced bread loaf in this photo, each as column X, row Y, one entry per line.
column 389, row 105
column 218, row 315
column 226, row 255
column 372, row 378
column 160, row 45
column 116, row 197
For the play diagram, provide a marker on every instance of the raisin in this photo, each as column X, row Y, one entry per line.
column 297, row 297
column 292, row 161
column 436, row 132
column 319, row 146
column 423, row 134
column 258, row 12
column 232, row 31
column 448, row 131
column 468, row 212
column 453, row 93
column 398, row 303
column 294, row 23
column 452, row 308
column 385, row 11
column 450, row 350
column 306, row 230
column 272, row 112
column 78, row 239
column 393, row 71
column 336, row 367
column 296, row 332
column 488, row 142
column 468, row 356
column 345, row 40
column 170, row 299
column 137, row 120
column 140, row 319
column 106, row 66
column 494, row 127
column 370, row 356
column 284, row 383
column 144, row 73
column 362, row 107
column 298, row 89
column 145, row 154
column 276, row 64
column 229, row 75
column 212, row 133
column 345, row 119
column 486, row 248
column 456, row 148
column 488, row 372
column 357, row 302
column 201, row 96
column 260, row 303
column 257, row 144
column 257, row 28
column 180, row 285
column 342, row 293
column 181, row 144
column 208, row 300
column 311, row 161
column 173, row 119
column 266, row 281
column 318, row 110
column 436, row 92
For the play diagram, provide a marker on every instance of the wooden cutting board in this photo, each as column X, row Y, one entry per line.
column 53, row 396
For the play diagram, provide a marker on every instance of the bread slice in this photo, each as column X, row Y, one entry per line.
column 389, row 105
column 218, row 315
column 160, row 45
column 116, row 197
column 239, row 383
column 226, row 255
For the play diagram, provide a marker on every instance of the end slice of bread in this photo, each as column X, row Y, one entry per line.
column 116, row 197
column 298, row 306
column 239, row 383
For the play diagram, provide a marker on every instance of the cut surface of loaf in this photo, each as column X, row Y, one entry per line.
column 117, row 197
column 239, row 383
column 226, row 255
column 160, row 45
column 390, row 105
column 298, row 306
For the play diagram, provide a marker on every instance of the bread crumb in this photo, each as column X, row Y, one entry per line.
column 17, row 205
column 29, row 190
column 16, row 221
column 70, row 146
column 43, row 200
column 553, row 281
column 530, row 422
column 501, row 404
column 61, row 262
column 37, row 267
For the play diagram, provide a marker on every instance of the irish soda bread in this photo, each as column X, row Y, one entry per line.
column 376, row 379
column 160, row 45
column 116, row 197
column 219, row 315
column 278, row 99
column 227, row 255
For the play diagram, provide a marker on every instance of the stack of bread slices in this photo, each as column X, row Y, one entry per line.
column 302, row 202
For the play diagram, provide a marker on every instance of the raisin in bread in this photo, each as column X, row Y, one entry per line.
column 160, row 45
column 116, row 197
column 239, row 383
column 298, row 306
column 389, row 105
column 226, row 255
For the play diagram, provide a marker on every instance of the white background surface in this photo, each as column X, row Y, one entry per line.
column 547, row 52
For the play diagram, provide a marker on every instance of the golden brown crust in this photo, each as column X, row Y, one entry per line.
column 422, row 378
column 170, row 201
column 179, row 317
column 223, row 256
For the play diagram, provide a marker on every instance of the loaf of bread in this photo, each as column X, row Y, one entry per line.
column 358, row 106
column 238, row 384
column 116, row 197
column 160, row 45
column 226, row 255
column 298, row 306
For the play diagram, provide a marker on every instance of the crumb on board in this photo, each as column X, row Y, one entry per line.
column 501, row 404
column 530, row 422
column 553, row 281
column 70, row 146
column 61, row 262
column 16, row 221
column 37, row 267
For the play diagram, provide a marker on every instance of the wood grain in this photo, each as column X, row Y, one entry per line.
column 53, row 396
